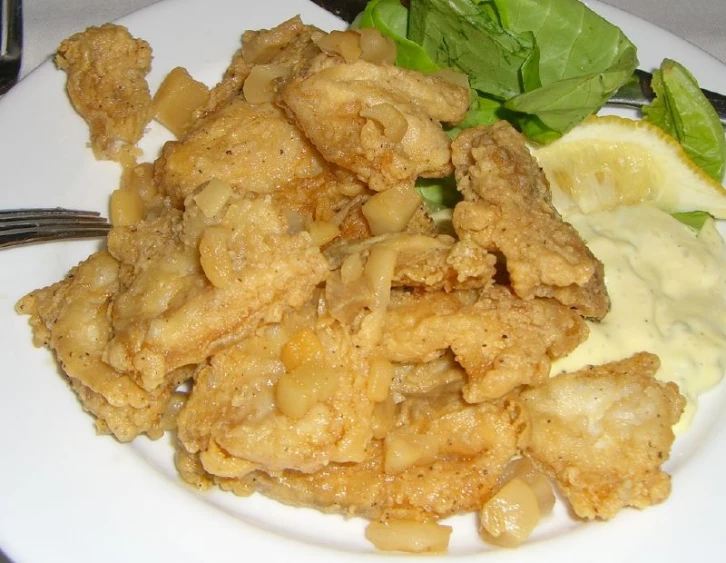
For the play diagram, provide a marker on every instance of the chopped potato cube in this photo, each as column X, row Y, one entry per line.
column 213, row 197
column 126, row 207
column 409, row 536
column 176, row 100
column 323, row 232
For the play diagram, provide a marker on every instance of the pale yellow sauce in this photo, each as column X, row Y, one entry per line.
column 667, row 286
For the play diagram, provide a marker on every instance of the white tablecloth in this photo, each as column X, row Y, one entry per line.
column 47, row 22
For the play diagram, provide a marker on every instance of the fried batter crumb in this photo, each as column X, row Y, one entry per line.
column 107, row 85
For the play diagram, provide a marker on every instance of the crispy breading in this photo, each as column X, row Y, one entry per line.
column 381, row 122
column 507, row 208
column 107, row 85
column 473, row 443
column 602, row 433
column 232, row 421
column 71, row 318
column 173, row 314
column 431, row 262
column 252, row 147
column 500, row 340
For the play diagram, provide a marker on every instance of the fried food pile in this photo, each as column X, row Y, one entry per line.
column 276, row 295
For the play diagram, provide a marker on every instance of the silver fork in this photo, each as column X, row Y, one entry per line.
column 11, row 42
column 23, row 226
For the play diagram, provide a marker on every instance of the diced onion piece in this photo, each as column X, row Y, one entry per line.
column 390, row 118
column 383, row 417
column 344, row 43
column 510, row 516
column 323, row 232
column 126, row 207
column 375, row 47
column 404, row 449
column 542, row 488
column 171, row 411
column 213, row 197
column 524, row 469
column 378, row 273
column 140, row 179
column 409, row 536
column 391, row 211
column 303, row 348
column 380, row 375
column 259, row 86
column 214, row 256
column 300, row 390
column 352, row 268
column 176, row 100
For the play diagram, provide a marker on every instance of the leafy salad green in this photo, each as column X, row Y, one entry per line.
column 681, row 110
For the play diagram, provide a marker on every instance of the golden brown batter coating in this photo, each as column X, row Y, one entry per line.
column 472, row 444
column 252, row 147
column 107, row 71
column 71, row 318
column 603, row 433
column 379, row 121
column 501, row 341
column 210, row 283
column 232, row 421
column 508, row 208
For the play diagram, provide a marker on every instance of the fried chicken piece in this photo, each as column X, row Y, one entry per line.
column 602, row 433
column 71, row 318
column 232, row 419
column 500, row 340
column 253, row 147
column 204, row 282
column 379, row 121
column 472, row 445
column 333, row 197
column 507, row 208
column 107, row 85
column 430, row 262
column 291, row 44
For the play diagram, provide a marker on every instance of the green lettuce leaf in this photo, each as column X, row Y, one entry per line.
column 550, row 63
column 583, row 59
column 458, row 34
column 681, row 109
column 438, row 193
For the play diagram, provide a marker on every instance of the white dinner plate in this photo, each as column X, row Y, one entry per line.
column 67, row 494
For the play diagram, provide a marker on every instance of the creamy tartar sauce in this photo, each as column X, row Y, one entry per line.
column 667, row 287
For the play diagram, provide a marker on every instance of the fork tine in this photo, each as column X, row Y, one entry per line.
column 46, row 212
column 22, row 226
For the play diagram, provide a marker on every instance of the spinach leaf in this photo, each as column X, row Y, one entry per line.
column 458, row 34
column 681, row 109
column 583, row 59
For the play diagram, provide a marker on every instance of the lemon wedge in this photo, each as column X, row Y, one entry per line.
column 607, row 161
